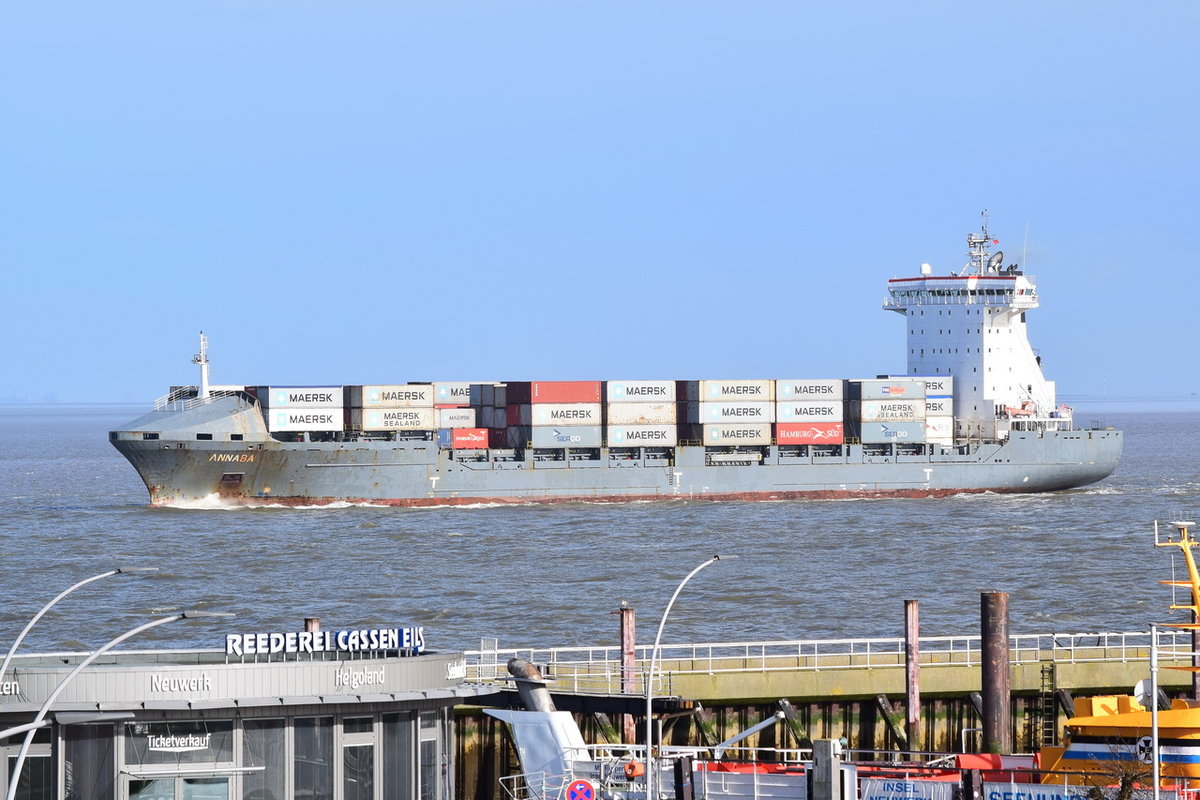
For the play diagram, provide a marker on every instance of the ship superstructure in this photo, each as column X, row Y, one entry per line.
column 973, row 413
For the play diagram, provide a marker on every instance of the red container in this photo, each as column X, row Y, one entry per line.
column 564, row 392
column 469, row 438
column 809, row 433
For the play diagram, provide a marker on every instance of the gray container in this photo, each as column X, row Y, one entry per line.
column 888, row 389
column 722, row 435
column 891, row 410
column 642, row 436
column 891, row 432
column 302, row 397
column 640, row 413
column 639, row 391
column 809, row 411
column 550, row 436
column 824, row 390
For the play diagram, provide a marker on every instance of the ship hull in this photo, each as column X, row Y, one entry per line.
column 188, row 456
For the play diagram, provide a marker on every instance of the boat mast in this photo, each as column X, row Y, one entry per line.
column 201, row 358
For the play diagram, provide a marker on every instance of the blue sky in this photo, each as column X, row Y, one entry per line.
column 375, row 192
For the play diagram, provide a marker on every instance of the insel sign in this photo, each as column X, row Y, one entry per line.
column 411, row 639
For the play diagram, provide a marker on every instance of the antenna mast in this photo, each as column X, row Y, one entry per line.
column 201, row 358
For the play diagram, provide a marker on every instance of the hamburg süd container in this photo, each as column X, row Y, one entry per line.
column 550, row 436
column 642, row 436
column 455, row 417
column 891, row 432
column 809, row 410
column 810, row 433
column 887, row 389
column 566, row 414
column 809, row 390
column 302, row 397
column 412, row 395
column 753, row 434
column 639, row 391
column 939, row 429
column 736, row 412
column 469, row 438
column 564, row 392
column 305, row 419
column 891, row 410
column 662, row 413
column 394, row 419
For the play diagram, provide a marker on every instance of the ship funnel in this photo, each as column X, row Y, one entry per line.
column 532, row 686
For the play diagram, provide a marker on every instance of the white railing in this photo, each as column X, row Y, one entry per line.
column 598, row 669
column 170, row 402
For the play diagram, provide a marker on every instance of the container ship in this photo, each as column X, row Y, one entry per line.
column 972, row 413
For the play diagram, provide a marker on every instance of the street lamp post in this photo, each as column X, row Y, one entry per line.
column 118, row 571
column 15, row 779
column 650, row 760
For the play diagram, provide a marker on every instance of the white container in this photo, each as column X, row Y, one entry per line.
column 935, row 385
column 722, row 435
column 939, row 428
column 567, row 414
column 939, row 407
column 735, row 391
column 642, row 436
column 809, row 411
column 892, row 410
column 394, row 419
column 639, row 391
column 305, row 419
column 406, row 395
column 452, row 392
column 640, row 413
column 809, row 390
column 303, row 397
column 567, row 435
column 455, row 417
column 892, row 389
column 736, row 413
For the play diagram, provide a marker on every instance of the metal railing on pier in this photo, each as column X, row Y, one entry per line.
column 588, row 670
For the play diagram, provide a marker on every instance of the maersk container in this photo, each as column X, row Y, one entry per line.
column 887, row 389
column 640, row 413
column 564, row 392
column 810, row 433
column 754, row 434
column 809, row 390
column 305, row 419
column 891, row 432
column 642, row 436
column 567, row 436
column 939, row 407
column 736, row 412
column 809, row 411
column 394, row 419
column 639, row 391
column 891, row 410
column 567, row 414
column 469, row 438
column 302, row 397
column 409, row 395
column 935, row 385
column 455, row 417
column 730, row 391
column 452, row 393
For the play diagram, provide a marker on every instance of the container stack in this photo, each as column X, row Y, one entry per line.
column 939, row 410
column 727, row 412
column 640, row 414
column 400, row 407
column 888, row 411
column 564, row 414
column 488, row 400
column 457, row 420
column 292, row 409
column 810, row 412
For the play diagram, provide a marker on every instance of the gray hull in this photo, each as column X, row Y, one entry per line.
column 222, row 450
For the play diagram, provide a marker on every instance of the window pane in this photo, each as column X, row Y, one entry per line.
column 358, row 770
column 187, row 742
column 36, row 778
column 88, row 757
column 205, row 789
column 398, row 730
column 263, row 745
column 314, row 758
column 161, row 789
